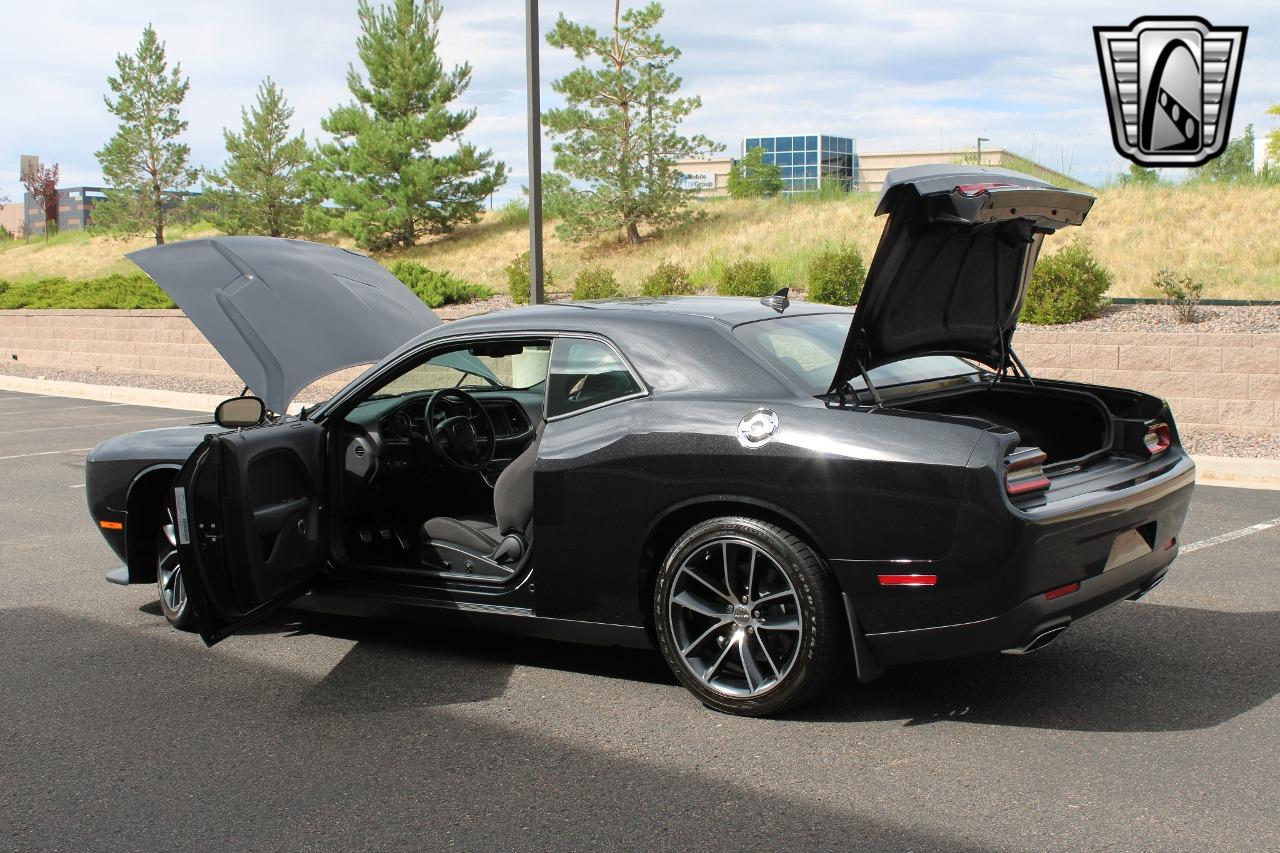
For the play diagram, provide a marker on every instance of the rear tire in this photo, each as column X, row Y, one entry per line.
column 170, row 583
column 748, row 617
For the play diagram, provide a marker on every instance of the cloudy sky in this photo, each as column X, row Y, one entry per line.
column 894, row 75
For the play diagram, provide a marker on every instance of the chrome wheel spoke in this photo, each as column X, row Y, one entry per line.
column 750, row 668
column 786, row 622
column 685, row 570
column 768, row 657
column 717, row 632
column 774, row 597
column 689, row 601
column 724, row 653
column 703, row 636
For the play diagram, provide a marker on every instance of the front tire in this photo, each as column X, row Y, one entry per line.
column 170, row 583
column 748, row 617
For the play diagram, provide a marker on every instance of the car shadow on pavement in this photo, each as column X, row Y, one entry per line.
column 400, row 660
column 101, row 717
column 1134, row 668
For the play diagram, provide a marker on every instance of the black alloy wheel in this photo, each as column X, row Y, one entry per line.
column 748, row 617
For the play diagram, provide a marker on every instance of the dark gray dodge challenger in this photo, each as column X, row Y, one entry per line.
column 772, row 493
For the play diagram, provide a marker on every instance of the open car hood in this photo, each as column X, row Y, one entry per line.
column 953, row 264
column 284, row 313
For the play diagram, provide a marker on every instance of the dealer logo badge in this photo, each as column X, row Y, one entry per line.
column 1170, row 84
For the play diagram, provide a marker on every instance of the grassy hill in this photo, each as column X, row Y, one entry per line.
column 1227, row 237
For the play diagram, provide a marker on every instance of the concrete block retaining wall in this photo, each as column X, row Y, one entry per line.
column 1220, row 380
column 1231, row 382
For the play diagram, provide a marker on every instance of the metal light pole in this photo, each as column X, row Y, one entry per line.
column 981, row 139
column 531, row 35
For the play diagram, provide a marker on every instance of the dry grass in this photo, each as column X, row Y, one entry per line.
column 1227, row 237
column 78, row 255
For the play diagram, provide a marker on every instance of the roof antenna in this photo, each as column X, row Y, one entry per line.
column 779, row 301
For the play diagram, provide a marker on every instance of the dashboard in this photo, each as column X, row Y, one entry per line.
column 385, row 435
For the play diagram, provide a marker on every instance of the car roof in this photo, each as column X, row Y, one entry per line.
column 728, row 310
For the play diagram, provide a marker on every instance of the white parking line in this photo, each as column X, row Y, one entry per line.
column 106, row 423
column 1227, row 537
column 47, row 453
column 60, row 409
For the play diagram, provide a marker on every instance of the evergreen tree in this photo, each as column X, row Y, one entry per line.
column 1138, row 176
column 1272, row 162
column 144, row 163
column 619, row 130
column 386, row 185
column 751, row 177
column 1234, row 165
column 258, row 191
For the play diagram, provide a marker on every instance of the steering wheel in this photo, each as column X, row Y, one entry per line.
column 465, row 441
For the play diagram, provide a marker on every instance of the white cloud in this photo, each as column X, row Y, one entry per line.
column 895, row 76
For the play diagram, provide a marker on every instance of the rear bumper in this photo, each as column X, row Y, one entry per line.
column 1019, row 627
column 990, row 591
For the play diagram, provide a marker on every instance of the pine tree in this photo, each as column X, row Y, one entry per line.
column 386, row 185
column 751, row 177
column 619, row 130
column 258, row 191
column 144, row 163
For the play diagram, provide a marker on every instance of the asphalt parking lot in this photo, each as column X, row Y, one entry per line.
column 1154, row 725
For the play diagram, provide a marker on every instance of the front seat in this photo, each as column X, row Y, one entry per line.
column 503, row 536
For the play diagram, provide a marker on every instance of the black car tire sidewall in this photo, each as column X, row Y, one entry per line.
column 823, row 638
column 181, row 618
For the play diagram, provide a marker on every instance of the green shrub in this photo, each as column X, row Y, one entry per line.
column 518, row 279
column 746, row 278
column 1066, row 287
column 595, row 283
column 437, row 288
column 667, row 279
column 515, row 213
column 112, row 291
column 1182, row 293
column 836, row 276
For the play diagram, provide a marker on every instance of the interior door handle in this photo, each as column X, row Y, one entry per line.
column 272, row 518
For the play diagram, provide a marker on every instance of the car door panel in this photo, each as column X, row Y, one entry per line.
column 254, row 538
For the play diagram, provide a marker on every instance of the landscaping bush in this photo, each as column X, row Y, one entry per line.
column 667, row 279
column 437, row 288
column 518, row 279
column 596, row 283
column 747, row 278
column 836, row 276
column 1066, row 287
column 112, row 291
column 1181, row 293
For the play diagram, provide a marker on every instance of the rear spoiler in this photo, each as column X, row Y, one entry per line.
column 969, row 195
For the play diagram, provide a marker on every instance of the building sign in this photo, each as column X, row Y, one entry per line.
column 697, row 181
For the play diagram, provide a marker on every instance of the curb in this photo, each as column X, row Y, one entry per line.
column 186, row 401
column 183, row 400
column 1238, row 473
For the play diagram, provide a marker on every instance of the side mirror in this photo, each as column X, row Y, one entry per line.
column 240, row 412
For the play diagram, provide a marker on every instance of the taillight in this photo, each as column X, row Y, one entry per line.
column 1024, row 472
column 1157, row 439
column 975, row 189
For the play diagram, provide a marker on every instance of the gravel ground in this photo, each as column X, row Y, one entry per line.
column 1205, row 442
column 1223, row 319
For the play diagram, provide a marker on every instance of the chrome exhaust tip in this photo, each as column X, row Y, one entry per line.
column 1039, row 641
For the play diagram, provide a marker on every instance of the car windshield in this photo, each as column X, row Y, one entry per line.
column 514, row 366
column 806, row 348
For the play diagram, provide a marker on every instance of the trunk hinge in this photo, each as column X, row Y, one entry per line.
column 875, row 395
column 1009, row 361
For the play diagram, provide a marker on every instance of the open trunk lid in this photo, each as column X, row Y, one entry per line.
column 954, row 259
column 284, row 313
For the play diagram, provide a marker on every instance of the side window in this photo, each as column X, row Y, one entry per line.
column 585, row 373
